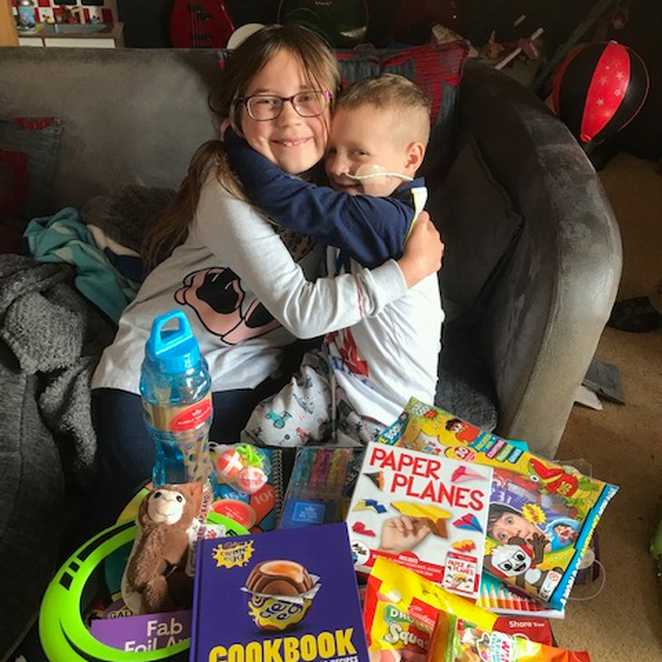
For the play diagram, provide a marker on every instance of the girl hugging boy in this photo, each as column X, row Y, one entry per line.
column 359, row 381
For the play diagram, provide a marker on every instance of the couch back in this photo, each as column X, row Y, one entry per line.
column 534, row 251
column 135, row 118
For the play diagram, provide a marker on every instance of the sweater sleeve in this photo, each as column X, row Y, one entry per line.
column 247, row 243
column 370, row 229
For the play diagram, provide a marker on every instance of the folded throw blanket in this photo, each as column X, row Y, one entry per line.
column 65, row 238
column 57, row 336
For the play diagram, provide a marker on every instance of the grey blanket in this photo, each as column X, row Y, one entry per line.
column 56, row 335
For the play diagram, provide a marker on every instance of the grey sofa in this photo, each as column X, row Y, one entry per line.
column 528, row 325
column 533, row 251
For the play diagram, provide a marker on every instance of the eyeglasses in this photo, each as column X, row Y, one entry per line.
column 263, row 107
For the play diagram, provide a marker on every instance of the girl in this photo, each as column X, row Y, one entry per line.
column 246, row 295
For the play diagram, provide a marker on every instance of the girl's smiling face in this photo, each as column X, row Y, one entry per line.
column 292, row 142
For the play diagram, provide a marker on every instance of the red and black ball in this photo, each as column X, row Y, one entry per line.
column 598, row 89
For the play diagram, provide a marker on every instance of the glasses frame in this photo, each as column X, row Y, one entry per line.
column 327, row 94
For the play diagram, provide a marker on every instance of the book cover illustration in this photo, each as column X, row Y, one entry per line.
column 542, row 515
column 424, row 512
column 289, row 594
column 498, row 597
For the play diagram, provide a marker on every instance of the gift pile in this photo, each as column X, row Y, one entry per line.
column 437, row 542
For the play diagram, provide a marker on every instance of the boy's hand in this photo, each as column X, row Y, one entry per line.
column 423, row 251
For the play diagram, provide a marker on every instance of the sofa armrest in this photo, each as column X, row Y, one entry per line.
column 551, row 300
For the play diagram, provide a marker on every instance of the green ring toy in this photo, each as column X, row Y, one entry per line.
column 62, row 629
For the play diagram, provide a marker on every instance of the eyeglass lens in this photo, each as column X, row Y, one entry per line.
column 306, row 104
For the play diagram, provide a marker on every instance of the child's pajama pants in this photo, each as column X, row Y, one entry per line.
column 312, row 408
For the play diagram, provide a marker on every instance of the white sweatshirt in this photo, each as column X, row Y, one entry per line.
column 230, row 276
column 385, row 359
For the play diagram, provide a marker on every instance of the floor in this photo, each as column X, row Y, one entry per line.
column 624, row 446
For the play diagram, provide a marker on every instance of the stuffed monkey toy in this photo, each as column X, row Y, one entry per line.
column 165, row 519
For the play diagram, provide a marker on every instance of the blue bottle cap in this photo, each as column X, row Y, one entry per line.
column 172, row 350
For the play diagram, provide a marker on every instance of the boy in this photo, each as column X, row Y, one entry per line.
column 361, row 378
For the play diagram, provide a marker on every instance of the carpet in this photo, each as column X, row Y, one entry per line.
column 624, row 446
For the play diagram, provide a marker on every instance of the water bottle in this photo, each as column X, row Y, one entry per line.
column 175, row 386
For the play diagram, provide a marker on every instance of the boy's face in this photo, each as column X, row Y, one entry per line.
column 510, row 525
column 366, row 136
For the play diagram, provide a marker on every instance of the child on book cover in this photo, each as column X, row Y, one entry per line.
column 530, row 534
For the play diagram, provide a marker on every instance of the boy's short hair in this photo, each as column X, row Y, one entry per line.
column 392, row 92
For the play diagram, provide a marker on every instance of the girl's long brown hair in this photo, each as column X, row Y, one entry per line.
column 243, row 64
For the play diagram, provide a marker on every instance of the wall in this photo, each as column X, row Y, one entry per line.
column 146, row 22
column 643, row 137
column 145, row 19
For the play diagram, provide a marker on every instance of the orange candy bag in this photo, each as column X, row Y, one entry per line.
column 471, row 644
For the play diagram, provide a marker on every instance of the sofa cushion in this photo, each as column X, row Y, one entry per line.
column 28, row 150
column 465, row 387
column 479, row 227
column 28, row 154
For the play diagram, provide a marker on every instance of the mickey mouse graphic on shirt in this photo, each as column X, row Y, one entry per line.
column 221, row 303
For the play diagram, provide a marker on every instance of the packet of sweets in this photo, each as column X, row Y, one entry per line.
column 403, row 611
column 541, row 515
column 471, row 644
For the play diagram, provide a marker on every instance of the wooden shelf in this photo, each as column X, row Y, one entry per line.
column 111, row 37
column 8, row 36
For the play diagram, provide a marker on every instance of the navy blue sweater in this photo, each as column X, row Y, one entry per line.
column 366, row 228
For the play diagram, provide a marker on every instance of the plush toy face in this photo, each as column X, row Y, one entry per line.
column 165, row 506
column 511, row 560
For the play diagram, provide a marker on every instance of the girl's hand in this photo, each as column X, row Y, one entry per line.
column 423, row 251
